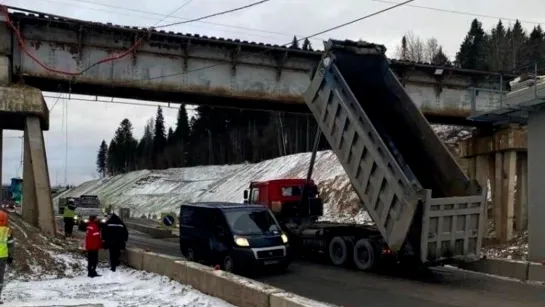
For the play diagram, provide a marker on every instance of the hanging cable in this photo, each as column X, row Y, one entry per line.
column 214, row 15
column 21, row 42
column 173, row 12
column 283, row 45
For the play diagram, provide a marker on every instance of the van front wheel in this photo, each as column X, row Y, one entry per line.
column 228, row 264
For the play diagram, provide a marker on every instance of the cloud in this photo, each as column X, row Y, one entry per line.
column 275, row 22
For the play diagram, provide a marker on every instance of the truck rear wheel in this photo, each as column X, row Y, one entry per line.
column 339, row 250
column 364, row 255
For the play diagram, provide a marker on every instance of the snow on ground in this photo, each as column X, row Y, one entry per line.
column 37, row 255
column 124, row 288
column 149, row 192
column 50, row 271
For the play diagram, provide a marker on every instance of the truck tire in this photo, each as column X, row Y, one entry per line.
column 364, row 255
column 338, row 251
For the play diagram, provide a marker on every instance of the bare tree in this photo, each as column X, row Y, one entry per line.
column 411, row 49
column 415, row 49
column 431, row 49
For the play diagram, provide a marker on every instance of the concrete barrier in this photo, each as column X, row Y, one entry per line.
column 536, row 272
column 153, row 232
column 292, row 300
column 158, row 263
column 133, row 257
column 500, row 267
column 231, row 288
column 241, row 291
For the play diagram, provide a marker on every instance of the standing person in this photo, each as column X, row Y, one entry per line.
column 93, row 243
column 6, row 247
column 68, row 217
column 115, row 236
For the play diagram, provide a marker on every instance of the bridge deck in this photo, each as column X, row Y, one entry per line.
column 175, row 67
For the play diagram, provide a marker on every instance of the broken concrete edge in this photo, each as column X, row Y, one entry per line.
column 18, row 102
column 515, row 269
column 237, row 290
column 157, row 233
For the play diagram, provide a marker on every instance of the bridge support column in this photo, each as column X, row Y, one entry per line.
column 536, row 187
column 498, row 156
column 23, row 108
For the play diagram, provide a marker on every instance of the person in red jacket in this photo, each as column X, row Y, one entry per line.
column 93, row 243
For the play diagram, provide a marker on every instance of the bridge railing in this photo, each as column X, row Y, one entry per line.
column 514, row 98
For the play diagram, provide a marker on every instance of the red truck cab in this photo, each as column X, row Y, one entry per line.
column 287, row 198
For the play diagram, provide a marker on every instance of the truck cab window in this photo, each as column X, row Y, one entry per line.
column 254, row 196
column 291, row 191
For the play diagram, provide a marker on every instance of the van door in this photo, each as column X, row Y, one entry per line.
column 202, row 233
column 220, row 241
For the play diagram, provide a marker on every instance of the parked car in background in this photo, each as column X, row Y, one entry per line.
column 81, row 218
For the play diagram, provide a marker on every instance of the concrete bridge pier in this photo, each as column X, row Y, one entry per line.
column 499, row 157
column 23, row 108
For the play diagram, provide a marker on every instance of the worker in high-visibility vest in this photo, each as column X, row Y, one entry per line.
column 6, row 247
column 68, row 217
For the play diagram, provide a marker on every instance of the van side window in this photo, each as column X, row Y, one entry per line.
column 254, row 196
column 186, row 218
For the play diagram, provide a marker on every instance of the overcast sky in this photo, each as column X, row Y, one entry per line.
column 273, row 22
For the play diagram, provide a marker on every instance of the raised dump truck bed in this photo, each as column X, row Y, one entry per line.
column 419, row 198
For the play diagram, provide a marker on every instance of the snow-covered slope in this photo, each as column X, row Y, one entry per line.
column 152, row 192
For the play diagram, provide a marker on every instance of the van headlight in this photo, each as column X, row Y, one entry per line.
column 76, row 217
column 86, row 221
column 240, row 241
column 284, row 238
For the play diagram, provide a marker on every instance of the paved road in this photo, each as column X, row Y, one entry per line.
column 445, row 287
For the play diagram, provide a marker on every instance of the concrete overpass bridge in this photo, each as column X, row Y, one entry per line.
column 46, row 53
column 174, row 67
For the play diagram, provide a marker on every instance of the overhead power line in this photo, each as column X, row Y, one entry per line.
column 174, row 12
column 464, row 13
column 214, row 15
column 148, row 13
column 286, row 44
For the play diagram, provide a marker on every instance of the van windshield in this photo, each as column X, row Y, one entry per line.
column 252, row 222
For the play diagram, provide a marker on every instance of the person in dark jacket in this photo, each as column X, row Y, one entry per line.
column 115, row 236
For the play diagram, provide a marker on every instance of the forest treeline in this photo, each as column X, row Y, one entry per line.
column 226, row 136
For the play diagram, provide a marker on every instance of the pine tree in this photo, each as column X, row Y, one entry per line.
column 307, row 46
column 294, row 43
column 472, row 54
column 516, row 52
column 404, row 49
column 181, row 136
column 145, row 146
column 102, row 159
column 159, row 139
column 440, row 58
column 125, row 147
column 535, row 46
column 111, row 159
column 496, row 48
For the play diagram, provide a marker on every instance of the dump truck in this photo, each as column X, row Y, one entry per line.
column 424, row 208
